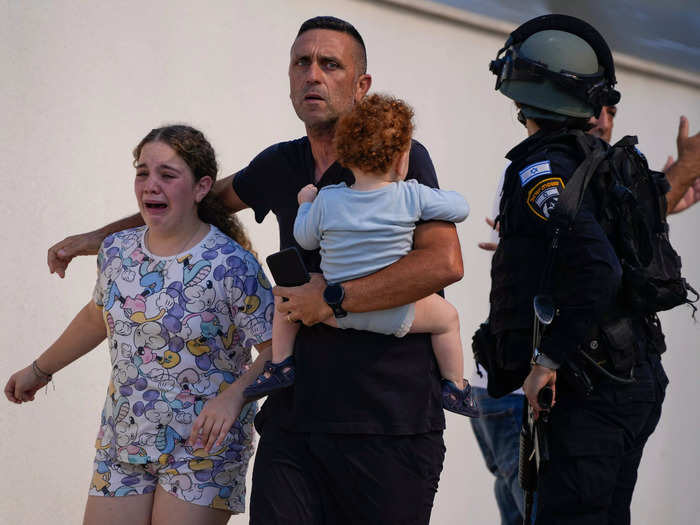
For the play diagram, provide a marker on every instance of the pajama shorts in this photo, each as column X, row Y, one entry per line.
column 217, row 481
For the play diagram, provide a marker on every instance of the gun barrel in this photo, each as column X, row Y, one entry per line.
column 527, row 475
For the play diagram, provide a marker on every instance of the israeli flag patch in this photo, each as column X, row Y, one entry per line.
column 534, row 170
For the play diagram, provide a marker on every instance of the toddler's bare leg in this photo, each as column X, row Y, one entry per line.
column 283, row 335
column 331, row 322
column 436, row 316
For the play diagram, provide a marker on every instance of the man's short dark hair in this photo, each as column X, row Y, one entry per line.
column 336, row 24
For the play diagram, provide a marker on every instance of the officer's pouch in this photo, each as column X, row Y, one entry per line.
column 511, row 362
column 484, row 346
column 618, row 340
column 505, row 357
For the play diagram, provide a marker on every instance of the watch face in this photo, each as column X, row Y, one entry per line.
column 333, row 294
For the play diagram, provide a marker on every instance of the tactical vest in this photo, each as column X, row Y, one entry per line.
column 631, row 208
column 503, row 345
column 517, row 265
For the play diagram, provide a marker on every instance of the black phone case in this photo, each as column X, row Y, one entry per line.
column 288, row 268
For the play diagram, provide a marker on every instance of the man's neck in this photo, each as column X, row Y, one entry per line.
column 321, row 140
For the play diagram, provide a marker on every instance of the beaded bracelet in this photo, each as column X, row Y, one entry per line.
column 40, row 373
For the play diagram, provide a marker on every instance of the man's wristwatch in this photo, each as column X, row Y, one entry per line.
column 334, row 295
column 540, row 359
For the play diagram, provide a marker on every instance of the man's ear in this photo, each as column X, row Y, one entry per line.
column 363, row 85
column 400, row 166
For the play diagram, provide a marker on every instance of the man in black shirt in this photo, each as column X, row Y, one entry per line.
column 359, row 437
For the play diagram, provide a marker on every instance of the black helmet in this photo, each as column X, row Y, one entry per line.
column 557, row 67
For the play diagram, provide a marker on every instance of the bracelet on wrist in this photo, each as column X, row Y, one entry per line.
column 38, row 372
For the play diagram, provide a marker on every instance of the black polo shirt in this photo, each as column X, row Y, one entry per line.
column 347, row 381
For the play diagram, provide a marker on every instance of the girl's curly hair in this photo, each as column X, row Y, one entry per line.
column 374, row 133
column 192, row 146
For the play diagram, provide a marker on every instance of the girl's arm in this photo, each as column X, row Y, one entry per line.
column 219, row 413
column 85, row 332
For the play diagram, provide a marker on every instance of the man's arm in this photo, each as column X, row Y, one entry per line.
column 434, row 263
column 223, row 190
column 62, row 253
column 583, row 291
column 683, row 173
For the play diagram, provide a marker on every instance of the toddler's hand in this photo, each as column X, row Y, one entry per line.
column 307, row 193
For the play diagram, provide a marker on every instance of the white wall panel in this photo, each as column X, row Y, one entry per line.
column 82, row 82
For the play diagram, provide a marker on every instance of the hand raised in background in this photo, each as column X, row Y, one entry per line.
column 490, row 246
column 687, row 167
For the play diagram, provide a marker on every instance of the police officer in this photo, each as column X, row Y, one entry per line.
column 559, row 71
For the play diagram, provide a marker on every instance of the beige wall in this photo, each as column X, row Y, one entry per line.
column 84, row 81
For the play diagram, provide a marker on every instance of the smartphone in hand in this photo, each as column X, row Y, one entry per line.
column 288, row 268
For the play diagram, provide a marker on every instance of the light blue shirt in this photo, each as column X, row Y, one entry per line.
column 361, row 232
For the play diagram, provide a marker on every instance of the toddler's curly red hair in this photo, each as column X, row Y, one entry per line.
column 374, row 133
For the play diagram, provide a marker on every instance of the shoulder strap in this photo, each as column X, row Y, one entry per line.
column 571, row 197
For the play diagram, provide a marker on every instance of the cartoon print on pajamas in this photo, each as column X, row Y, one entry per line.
column 161, row 413
column 199, row 300
column 182, row 485
column 180, row 331
column 193, row 274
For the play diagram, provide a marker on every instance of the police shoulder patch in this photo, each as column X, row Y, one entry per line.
column 543, row 197
column 538, row 169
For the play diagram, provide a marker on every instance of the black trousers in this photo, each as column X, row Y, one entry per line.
column 596, row 446
column 336, row 479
